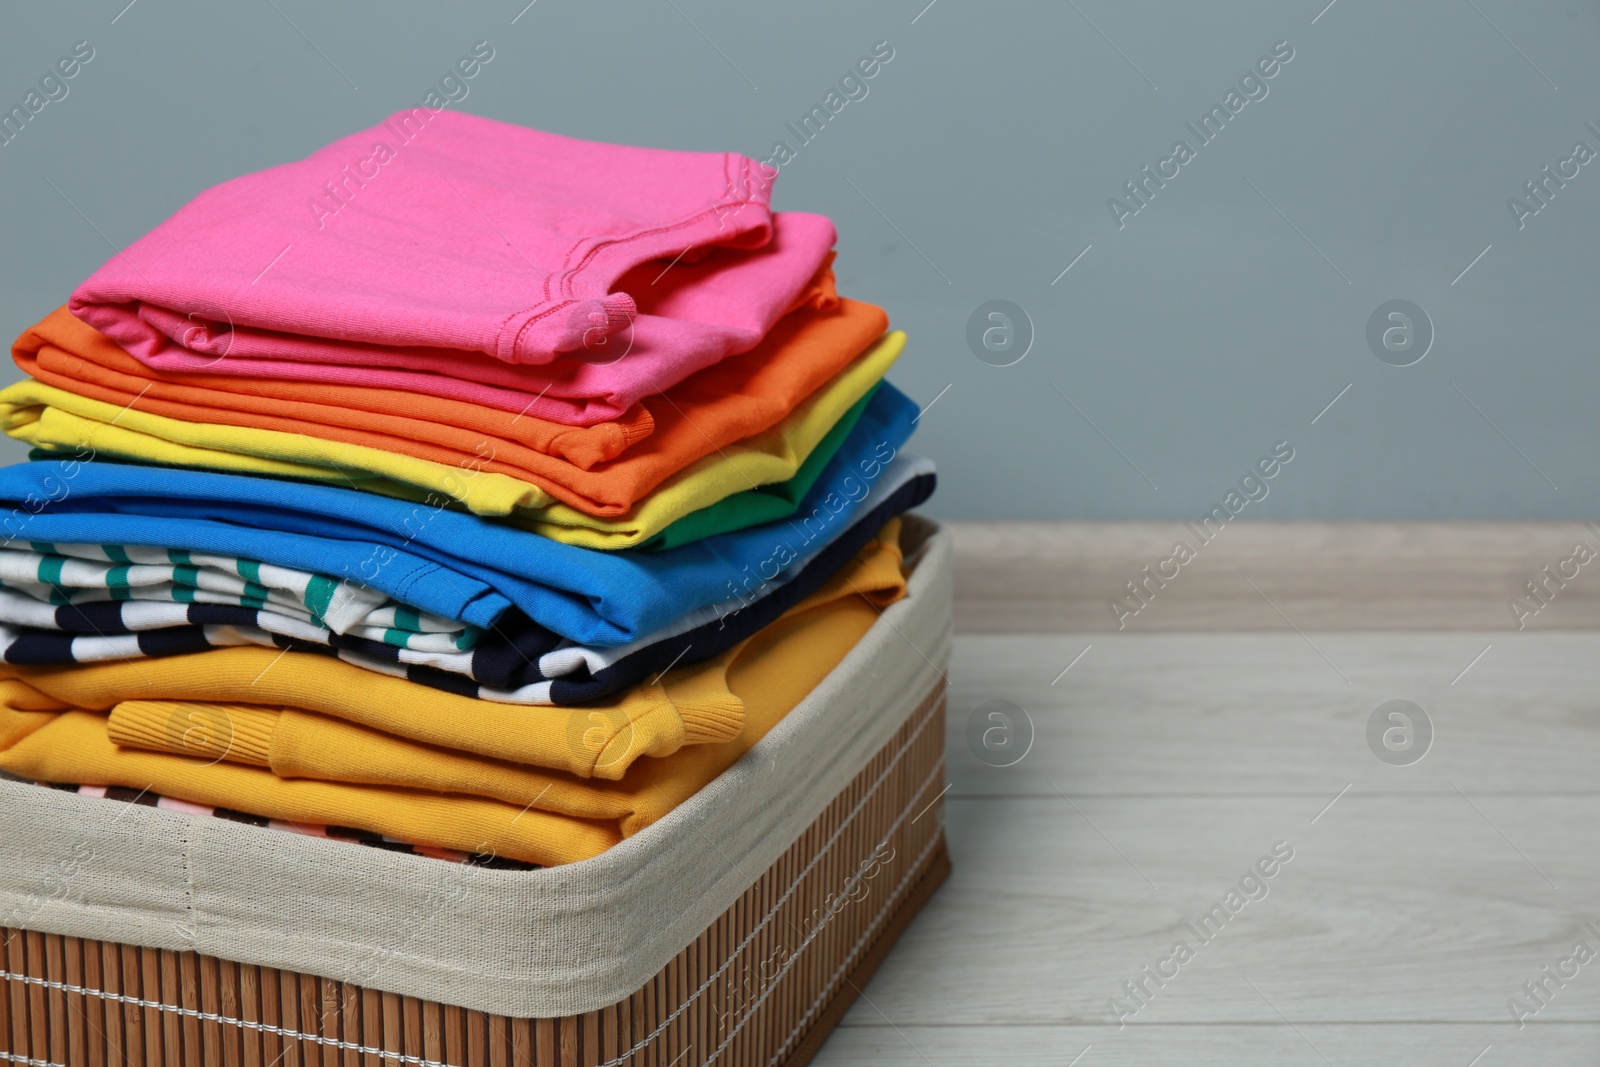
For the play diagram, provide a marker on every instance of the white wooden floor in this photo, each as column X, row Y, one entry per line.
column 1419, row 899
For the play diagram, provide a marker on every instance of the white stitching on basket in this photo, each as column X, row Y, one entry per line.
column 855, row 949
column 892, row 900
column 794, row 884
column 28, row 1061
column 418, row 1061
column 211, row 1017
column 889, row 901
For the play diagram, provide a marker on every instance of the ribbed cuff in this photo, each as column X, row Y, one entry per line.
column 606, row 741
column 711, row 722
column 540, row 335
column 590, row 446
column 238, row 733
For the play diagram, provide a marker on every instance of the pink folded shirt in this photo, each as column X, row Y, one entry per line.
column 445, row 257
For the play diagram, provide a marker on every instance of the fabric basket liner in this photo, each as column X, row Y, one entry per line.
column 531, row 945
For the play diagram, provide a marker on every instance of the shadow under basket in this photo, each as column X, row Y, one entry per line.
column 520, row 967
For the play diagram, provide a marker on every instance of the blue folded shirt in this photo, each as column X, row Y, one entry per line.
column 449, row 562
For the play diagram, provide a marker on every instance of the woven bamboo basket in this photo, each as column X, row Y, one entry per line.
column 765, row 984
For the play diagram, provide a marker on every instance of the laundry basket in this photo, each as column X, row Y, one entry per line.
column 736, row 930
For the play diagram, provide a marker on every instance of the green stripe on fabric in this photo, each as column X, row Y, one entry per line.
column 766, row 503
column 44, row 548
column 249, row 570
column 407, row 619
column 183, row 594
column 256, row 591
column 177, row 555
column 117, row 580
column 116, row 553
column 319, row 595
column 397, row 638
column 189, row 576
column 252, row 602
column 49, row 570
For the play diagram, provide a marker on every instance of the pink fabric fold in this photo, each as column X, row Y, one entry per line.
column 445, row 253
column 667, row 342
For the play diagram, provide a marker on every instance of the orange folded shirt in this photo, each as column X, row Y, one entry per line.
column 68, row 353
column 736, row 398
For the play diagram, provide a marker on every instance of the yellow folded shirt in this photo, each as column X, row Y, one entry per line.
column 409, row 790
column 600, row 740
column 54, row 419
column 74, row 746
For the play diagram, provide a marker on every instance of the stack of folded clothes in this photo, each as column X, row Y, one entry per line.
column 469, row 490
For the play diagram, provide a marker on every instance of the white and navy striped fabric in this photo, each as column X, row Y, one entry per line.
column 516, row 661
column 111, row 589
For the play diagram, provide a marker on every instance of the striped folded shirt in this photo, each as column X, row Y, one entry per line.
column 107, row 589
column 516, row 661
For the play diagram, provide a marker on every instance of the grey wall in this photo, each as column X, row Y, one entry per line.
column 1218, row 321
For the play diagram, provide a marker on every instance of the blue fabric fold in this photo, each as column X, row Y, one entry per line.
column 449, row 562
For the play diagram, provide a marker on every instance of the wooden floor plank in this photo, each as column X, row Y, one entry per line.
column 1060, row 577
column 1556, row 1045
column 1393, row 908
column 1190, row 714
column 1419, row 902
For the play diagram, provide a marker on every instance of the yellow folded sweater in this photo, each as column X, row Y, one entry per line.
column 73, row 746
column 600, row 740
column 287, row 763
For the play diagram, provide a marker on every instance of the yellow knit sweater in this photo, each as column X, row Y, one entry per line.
column 316, row 740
